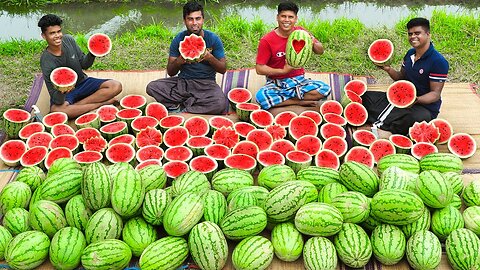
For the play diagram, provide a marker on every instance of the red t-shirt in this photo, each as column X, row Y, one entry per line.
column 271, row 52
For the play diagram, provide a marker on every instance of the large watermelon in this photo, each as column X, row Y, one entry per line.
column 299, row 48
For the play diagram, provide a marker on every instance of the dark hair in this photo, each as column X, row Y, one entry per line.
column 288, row 6
column 192, row 7
column 419, row 22
column 49, row 20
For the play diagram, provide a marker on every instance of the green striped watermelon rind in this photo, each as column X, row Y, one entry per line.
column 19, row 253
column 353, row 245
column 388, row 244
column 208, row 246
column 424, row 250
column 166, row 253
column 243, row 258
column 106, row 254
column 296, row 54
column 462, row 247
column 319, row 253
column 66, row 248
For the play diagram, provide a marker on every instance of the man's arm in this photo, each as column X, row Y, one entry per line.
column 317, row 47
column 220, row 65
column 434, row 94
column 395, row 75
column 174, row 65
column 269, row 71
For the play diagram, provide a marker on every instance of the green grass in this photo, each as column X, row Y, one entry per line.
column 346, row 41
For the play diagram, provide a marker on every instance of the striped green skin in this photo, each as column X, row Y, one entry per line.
column 103, row 224
column 255, row 252
column 310, row 189
column 353, row 245
column 215, row 206
column 421, row 224
column 62, row 164
column 153, row 177
column 47, row 217
column 106, row 254
column 242, row 199
column 191, row 181
column 455, row 180
column 243, row 222
column 403, row 161
column 456, row 202
column 354, row 206
column 27, row 250
column 32, row 176
column 154, row 205
column 287, row 242
column 359, row 177
column 259, row 192
column 445, row 220
column 77, row 213
column 299, row 59
column 296, row 165
column 14, row 194
column 17, row 220
column 12, row 128
column 208, row 246
column 283, row 201
column 396, row 206
column 471, row 216
column 66, row 248
column 166, row 253
column 463, row 250
column 183, row 213
column 329, row 191
column 5, row 237
column 117, row 167
column 228, row 180
column 424, row 250
column 319, row 176
column 395, row 178
column 275, row 175
column 62, row 186
column 318, row 219
column 96, row 186
column 138, row 234
column 34, row 198
column 434, row 190
column 320, row 253
column 471, row 194
column 442, row 162
column 370, row 223
column 388, row 244
column 127, row 193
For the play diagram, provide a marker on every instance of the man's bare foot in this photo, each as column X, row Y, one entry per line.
column 383, row 134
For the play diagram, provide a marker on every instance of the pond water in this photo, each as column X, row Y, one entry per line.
column 115, row 18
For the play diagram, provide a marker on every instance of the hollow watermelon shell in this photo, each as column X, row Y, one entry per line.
column 380, row 51
column 402, row 94
column 63, row 79
column 192, row 48
column 99, row 44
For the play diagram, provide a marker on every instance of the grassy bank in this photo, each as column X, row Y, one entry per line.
column 345, row 40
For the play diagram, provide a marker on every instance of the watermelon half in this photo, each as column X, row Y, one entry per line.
column 205, row 165
column 380, row 51
column 421, row 149
column 63, row 79
column 149, row 152
column 241, row 161
column 269, row 157
column 57, row 153
column 360, row 154
column 34, row 156
column 29, row 129
column 192, row 48
column 87, row 157
column 359, row 87
column 445, row 129
column 54, row 118
column 120, row 152
column 14, row 120
column 11, row 152
column 239, row 95
column 401, row 94
column 133, row 101
column 107, row 113
column 462, row 145
column 99, row 44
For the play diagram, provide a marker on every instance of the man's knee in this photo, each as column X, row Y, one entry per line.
column 117, row 87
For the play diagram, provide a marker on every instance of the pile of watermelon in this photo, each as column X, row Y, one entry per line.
column 138, row 182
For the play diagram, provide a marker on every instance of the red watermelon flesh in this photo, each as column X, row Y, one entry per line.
column 261, row 118
column 334, row 119
column 181, row 153
column 239, row 95
column 29, row 129
column 147, row 162
column 120, row 152
column 62, row 129
column 11, row 151
column 54, row 154
column 175, row 136
column 298, row 156
column 309, row 144
column 283, row 119
column 34, row 156
column 86, row 157
column 107, row 113
column 156, row 110
column 99, row 44
column 217, row 122
column 302, row 125
column 380, row 51
column 353, row 97
column 462, row 145
column 86, row 133
column 98, row 144
column 54, row 118
column 124, row 138
column 68, row 141
column 401, row 141
column 175, row 168
column 421, row 149
column 243, row 128
column 315, row 116
column 246, row 106
column 133, row 101
column 262, row 138
column 217, row 151
column 282, row 146
column 39, row 139
column 424, row 132
column 381, row 148
column 360, row 154
column 114, row 127
column 197, row 126
column 141, row 122
column 203, row 164
column 192, row 48
column 226, row 136
column 171, row 121
column 337, row 144
column 359, row 87
column 240, row 161
column 128, row 113
column 328, row 159
column 331, row 106
column 247, row 148
column 401, row 94
column 63, row 79
column 16, row 115
column 278, row 132
column 355, row 114
column 150, row 136
column 199, row 141
column 270, row 157
column 329, row 130
column 149, row 152
column 363, row 137
column 86, row 118
column 445, row 129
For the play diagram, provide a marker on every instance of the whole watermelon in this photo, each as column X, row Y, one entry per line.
column 299, row 48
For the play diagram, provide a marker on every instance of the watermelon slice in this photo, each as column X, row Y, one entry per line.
column 262, row 138
column 226, row 136
column 97, row 143
column 462, row 145
column 238, row 95
column 149, row 152
column 171, row 121
column 175, row 168
column 243, row 128
column 87, row 157
column 34, row 156
column 381, row 148
column 244, row 110
column 142, row 122
column 363, row 137
column 107, row 113
column 380, row 51
column 63, row 79
column 59, row 152
column 133, row 101
column 91, row 119
column 29, row 129
column 334, row 119
column 360, row 154
column 197, row 126
column 269, row 157
column 124, row 138
column 298, row 160
column 218, row 121
column 68, row 141
column 62, row 129
column 181, row 153
column 146, row 163
column 148, row 136
column 54, row 118
column 402, row 143
column 175, row 136
column 331, row 106
column 241, row 161
column 302, row 125
column 424, row 132
column 204, row 164
column 359, row 87
column 192, row 48
column 315, row 116
column 421, row 149
column 261, row 118
column 11, row 152
column 247, row 148
column 283, row 119
column 350, row 97
column 99, row 44
column 309, row 144
column 114, row 129
column 157, row 110
column 87, row 133
column 328, row 130
column 402, row 94
column 217, row 151
column 198, row 143
column 355, row 114
column 40, row 139
column 282, row 146
column 445, row 129
column 120, row 152
column 337, row 144
column 328, row 159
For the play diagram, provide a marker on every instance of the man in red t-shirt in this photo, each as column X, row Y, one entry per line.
column 285, row 84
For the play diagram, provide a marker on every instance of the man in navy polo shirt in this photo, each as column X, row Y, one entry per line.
column 427, row 69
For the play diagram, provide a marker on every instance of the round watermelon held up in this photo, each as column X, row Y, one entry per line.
column 63, row 79
column 380, row 51
column 192, row 48
column 99, row 44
